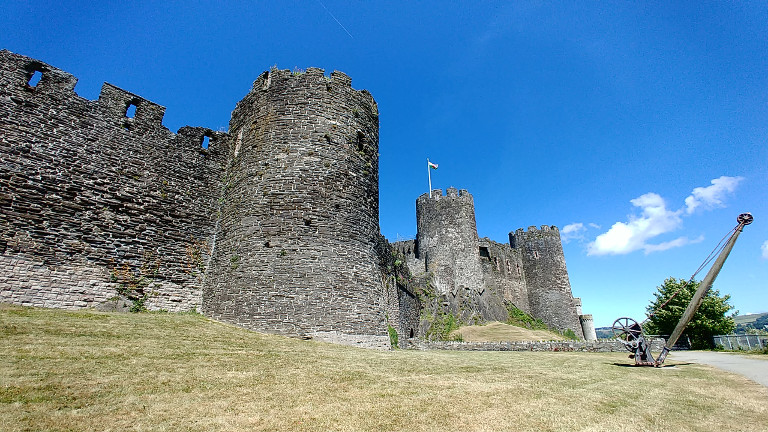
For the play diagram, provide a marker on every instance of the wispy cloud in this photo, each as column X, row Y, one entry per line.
column 572, row 231
column 764, row 248
column 656, row 219
column 711, row 196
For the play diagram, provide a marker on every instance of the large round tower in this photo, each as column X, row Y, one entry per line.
column 294, row 252
column 549, row 289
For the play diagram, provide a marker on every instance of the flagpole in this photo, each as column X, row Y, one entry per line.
column 429, row 175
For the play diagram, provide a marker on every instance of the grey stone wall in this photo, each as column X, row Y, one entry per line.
column 447, row 238
column 402, row 303
column 85, row 191
column 295, row 247
column 479, row 277
column 503, row 273
column 549, row 289
column 657, row 345
column 272, row 227
column 409, row 249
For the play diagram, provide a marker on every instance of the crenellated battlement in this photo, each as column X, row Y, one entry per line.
column 20, row 70
column 117, row 107
column 313, row 78
column 459, row 195
column 552, row 229
column 128, row 110
column 310, row 76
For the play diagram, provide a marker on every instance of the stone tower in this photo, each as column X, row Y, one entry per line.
column 549, row 290
column 447, row 238
column 295, row 247
column 448, row 246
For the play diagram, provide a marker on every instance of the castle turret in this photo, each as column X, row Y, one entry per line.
column 295, row 252
column 588, row 327
column 549, row 290
column 447, row 237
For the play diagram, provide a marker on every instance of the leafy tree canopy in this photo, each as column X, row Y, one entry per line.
column 709, row 320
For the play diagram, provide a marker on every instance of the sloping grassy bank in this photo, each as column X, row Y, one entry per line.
column 501, row 332
column 91, row 371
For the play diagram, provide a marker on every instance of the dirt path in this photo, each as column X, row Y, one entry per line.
column 754, row 368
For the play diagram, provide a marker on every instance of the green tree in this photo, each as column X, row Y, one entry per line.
column 709, row 320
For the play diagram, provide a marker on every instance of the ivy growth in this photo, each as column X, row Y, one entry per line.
column 392, row 336
column 134, row 283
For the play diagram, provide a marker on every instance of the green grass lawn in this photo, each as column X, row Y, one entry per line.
column 92, row 371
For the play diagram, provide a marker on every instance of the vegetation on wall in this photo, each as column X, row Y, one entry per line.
column 392, row 337
column 134, row 283
column 517, row 317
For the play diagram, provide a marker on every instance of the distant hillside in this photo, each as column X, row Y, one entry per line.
column 604, row 333
column 746, row 319
column 745, row 323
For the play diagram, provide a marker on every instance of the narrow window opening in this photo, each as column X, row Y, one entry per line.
column 205, row 142
column 307, row 222
column 410, row 333
column 360, row 142
column 130, row 111
column 35, row 79
column 536, row 254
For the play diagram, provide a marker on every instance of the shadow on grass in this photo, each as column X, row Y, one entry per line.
column 660, row 367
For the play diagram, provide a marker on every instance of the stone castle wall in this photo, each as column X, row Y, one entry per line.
column 295, row 250
column 503, row 272
column 272, row 226
column 480, row 277
column 546, row 276
column 85, row 191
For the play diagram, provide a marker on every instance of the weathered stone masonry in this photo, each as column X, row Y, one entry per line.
column 85, row 190
column 273, row 226
column 295, row 252
column 479, row 277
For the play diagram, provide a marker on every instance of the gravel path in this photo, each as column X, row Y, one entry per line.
column 752, row 367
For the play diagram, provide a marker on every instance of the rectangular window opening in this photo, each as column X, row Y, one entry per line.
column 130, row 111
column 484, row 252
column 206, row 141
column 35, row 79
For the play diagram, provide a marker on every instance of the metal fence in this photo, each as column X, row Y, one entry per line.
column 741, row 342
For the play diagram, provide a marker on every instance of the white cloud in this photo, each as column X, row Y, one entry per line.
column 633, row 235
column 711, row 196
column 764, row 248
column 572, row 231
column 656, row 219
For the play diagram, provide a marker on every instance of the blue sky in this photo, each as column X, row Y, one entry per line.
column 644, row 123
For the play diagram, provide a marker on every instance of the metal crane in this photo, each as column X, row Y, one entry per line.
column 630, row 332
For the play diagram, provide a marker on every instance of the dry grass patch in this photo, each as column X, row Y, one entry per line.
column 90, row 371
column 500, row 332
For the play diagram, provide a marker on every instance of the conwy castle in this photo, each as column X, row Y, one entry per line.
column 272, row 226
